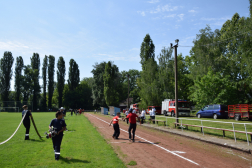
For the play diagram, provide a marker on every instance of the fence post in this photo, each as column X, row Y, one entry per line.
column 234, row 132
column 202, row 128
column 246, row 133
column 166, row 122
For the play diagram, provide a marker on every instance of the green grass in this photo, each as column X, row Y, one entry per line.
column 82, row 145
column 132, row 163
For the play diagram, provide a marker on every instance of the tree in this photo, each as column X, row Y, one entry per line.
column 44, row 75
column 35, row 64
column 61, row 72
column 73, row 75
column 27, row 82
column 98, row 85
column 110, row 92
column 213, row 88
column 148, row 83
column 133, row 88
column 5, row 74
column 147, row 50
column 50, row 79
column 18, row 77
column 79, row 98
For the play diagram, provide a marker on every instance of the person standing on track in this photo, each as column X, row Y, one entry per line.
column 59, row 125
column 143, row 116
column 152, row 115
column 116, row 127
column 132, row 120
column 126, row 114
column 26, row 121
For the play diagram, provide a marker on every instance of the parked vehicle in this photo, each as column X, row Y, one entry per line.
column 135, row 107
column 168, row 107
column 158, row 109
column 215, row 111
column 240, row 111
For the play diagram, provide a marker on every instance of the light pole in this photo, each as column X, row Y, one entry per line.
column 128, row 90
column 176, row 79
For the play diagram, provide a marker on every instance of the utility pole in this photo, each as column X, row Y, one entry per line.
column 176, row 80
column 128, row 90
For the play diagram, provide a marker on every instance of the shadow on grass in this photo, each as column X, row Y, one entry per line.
column 71, row 130
column 37, row 140
column 71, row 160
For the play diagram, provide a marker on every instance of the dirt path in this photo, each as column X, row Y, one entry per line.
column 156, row 149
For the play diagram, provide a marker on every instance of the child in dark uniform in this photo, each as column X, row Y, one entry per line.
column 26, row 121
column 59, row 125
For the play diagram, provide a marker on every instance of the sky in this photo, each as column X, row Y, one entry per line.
column 92, row 31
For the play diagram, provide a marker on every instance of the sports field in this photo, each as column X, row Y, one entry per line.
column 82, row 145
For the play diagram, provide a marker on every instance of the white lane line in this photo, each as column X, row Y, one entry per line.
column 178, row 152
column 154, row 144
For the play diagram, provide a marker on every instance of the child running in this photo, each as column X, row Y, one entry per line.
column 116, row 125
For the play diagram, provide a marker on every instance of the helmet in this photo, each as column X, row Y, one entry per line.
column 130, row 110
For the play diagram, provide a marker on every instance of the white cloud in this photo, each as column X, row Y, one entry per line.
column 192, row 11
column 153, row 1
column 141, row 13
column 165, row 8
column 170, row 16
column 181, row 16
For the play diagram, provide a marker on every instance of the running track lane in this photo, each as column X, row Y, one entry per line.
column 152, row 143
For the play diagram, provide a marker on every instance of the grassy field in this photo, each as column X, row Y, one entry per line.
column 82, row 145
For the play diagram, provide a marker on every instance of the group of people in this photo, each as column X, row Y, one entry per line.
column 131, row 117
column 58, row 124
column 76, row 111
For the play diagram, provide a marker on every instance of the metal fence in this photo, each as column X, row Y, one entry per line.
column 225, row 126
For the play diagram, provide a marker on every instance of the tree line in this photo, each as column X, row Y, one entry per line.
column 218, row 70
column 27, row 87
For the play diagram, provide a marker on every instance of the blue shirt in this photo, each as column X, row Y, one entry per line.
column 58, row 124
column 27, row 116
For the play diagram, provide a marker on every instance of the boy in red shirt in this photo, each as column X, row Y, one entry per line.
column 132, row 120
column 116, row 125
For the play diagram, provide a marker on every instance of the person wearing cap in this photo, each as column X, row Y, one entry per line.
column 26, row 121
column 116, row 127
column 132, row 120
column 59, row 126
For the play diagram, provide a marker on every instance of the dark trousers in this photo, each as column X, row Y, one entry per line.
column 27, row 126
column 116, row 130
column 127, row 120
column 56, row 145
column 132, row 127
column 142, row 120
column 153, row 118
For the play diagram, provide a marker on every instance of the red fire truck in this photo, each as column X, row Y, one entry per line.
column 135, row 107
column 168, row 107
column 239, row 111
